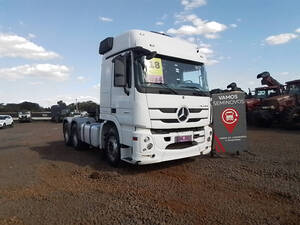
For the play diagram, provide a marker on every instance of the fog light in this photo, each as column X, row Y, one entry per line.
column 146, row 139
column 144, row 150
column 149, row 146
column 208, row 139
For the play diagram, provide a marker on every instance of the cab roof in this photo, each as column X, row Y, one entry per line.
column 293, row 82
column 152, row 41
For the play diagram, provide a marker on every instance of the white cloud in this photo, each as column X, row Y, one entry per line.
column 16, row 46
column 105, row 19
column 48, row 71
column 159, row 23
column 192, row 4
column 208, row 29
column 164, row 16
column 284, row 73
column 80, row 78
column 96, row 86
column 206, row 51
column 35, row 83
column 203, row 45
column 30, row 35
column 280, row 38
column 211, row 62
column 233, row 25
column 297, row 30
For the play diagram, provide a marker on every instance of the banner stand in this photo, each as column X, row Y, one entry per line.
column 229, row 123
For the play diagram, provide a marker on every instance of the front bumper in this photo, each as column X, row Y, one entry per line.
column 164, row 146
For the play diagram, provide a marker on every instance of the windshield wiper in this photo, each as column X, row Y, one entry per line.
column 165, row 86
column 199, row 91
column 168, row 87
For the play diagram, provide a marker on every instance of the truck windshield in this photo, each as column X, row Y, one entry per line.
column 170, row 76
column 264, row 93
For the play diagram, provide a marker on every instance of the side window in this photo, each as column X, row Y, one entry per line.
column 122, row 71
column 119, row 71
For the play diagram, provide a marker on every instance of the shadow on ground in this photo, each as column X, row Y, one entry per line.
column 94, row 158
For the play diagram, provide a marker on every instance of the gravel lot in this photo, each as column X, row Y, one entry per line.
column 44, row 182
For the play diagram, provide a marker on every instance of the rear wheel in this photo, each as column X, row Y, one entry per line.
column 67, row 136
column 76, row 142
column 288, row 117
column 112, row 148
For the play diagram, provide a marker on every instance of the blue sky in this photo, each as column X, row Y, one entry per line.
column 49, row 49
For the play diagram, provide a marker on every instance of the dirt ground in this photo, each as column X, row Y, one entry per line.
column 44, row 182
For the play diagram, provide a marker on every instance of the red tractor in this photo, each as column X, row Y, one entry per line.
column 273, row 88
column 283, row 109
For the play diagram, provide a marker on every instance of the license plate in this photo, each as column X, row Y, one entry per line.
column 186, row 138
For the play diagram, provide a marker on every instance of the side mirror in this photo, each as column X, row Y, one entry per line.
column 140, row 51
column 151, row 55
column 120, row 71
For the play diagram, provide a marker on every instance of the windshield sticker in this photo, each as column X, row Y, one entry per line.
column 154, row 70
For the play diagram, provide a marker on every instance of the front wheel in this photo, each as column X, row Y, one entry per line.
column 112, row 148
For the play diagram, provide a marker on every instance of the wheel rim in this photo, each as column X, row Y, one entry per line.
column 112, row 148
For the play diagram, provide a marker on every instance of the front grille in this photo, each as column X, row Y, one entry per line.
column 169, row 115
column 194, row 120
column 168, row 110
column 169, row 120
column 167, row 131
column 181, row 145
column 196, row 110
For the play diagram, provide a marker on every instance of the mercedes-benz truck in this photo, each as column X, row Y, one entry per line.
column 154, row 101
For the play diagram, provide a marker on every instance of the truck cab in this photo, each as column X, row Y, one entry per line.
column 154, row 100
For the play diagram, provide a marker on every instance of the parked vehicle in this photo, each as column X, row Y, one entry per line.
column 253, row 101
column 24, row 116
column 6, row 120
column 154, row 101
column 284, row 109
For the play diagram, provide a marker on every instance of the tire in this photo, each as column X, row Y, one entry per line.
column 76, row 142
column 12, row 124
column 67, row 136
column 112, row 148
column 287, row 117
column 4, row 126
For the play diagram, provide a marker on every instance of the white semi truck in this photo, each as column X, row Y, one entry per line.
column 154, row 101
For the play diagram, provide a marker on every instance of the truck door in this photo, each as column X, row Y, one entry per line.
column 122, row 94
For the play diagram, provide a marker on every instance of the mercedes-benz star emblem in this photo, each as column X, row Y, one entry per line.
column 182, row 114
